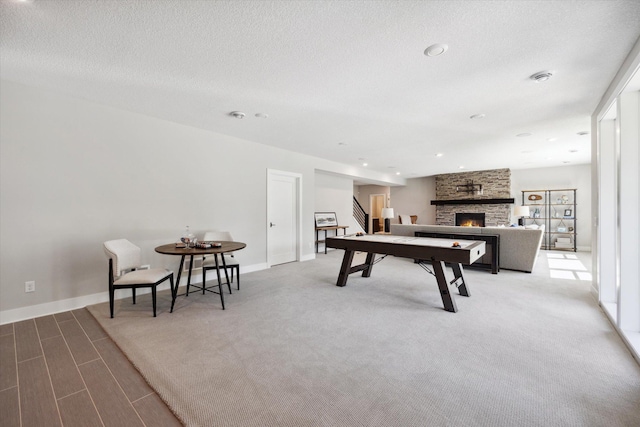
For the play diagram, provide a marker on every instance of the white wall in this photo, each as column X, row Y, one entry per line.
column 363, row 196
column 415, row 199
column 578, row 176
column 74, row 174
column 335, row 194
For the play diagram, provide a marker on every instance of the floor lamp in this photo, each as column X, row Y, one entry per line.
column 387, row 214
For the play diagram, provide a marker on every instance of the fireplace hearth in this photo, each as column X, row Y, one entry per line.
column 470, row 219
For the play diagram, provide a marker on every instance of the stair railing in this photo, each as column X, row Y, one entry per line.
column 360, row 215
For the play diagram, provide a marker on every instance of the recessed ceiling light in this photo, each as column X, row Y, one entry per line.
column 522, row 135
column 342, row 143
column 552, row 139
column 573, row 151
column 583, row 133
column 477, row 116
column 439, row 155
column 541, row 76
column 365, row 164
column 461, row 167
column 436, row 49
column 565, row 162
column 262, row 115
column 397, row 173
column 237, row 114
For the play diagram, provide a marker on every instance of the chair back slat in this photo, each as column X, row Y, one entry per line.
column 125, row 255
column 223, row 236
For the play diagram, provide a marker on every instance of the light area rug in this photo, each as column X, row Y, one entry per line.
column 292, row 349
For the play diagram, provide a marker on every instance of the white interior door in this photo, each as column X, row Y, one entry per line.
column 283, row 217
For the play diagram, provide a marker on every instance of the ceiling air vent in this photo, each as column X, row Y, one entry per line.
column 542, row 76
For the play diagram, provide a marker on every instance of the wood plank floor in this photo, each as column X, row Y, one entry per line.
column 63, row 370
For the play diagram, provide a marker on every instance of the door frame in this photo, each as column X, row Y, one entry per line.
column 298, row 211
column 384, row 203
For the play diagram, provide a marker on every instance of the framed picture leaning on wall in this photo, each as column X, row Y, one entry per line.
column 325, row 219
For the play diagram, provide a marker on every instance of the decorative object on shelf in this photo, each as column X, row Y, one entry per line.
column 562, row 229
column 565, row 199
column 563, row 243
column 568, row 213
column 534, row 197
column 536, row 213
column 520, row 212
column 470, row 188
column 571, row 229
column 326, row 219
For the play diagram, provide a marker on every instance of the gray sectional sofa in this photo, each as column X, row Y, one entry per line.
column 519, row 247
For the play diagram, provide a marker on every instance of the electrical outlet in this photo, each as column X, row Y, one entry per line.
column 30, row 286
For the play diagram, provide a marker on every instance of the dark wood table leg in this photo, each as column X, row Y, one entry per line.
column 189, row 276
column 219, row 280
column 175, row 293
column 369, row 263
column 325, row 242
column 344, row 269
column 447, row 299
column 458, row 274
column 226, row 274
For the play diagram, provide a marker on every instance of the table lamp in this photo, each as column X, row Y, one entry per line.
column 387, row 214
column 520, row 212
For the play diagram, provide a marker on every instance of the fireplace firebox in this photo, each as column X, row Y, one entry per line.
column 469, row 219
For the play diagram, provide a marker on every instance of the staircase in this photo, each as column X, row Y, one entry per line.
column 360, row 215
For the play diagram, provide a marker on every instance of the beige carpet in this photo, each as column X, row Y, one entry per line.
column 292, row 349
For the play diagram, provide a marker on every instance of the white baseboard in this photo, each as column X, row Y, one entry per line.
column 308, row 257
column 53, row 307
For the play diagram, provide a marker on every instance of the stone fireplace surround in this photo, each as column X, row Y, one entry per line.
column 494, row 202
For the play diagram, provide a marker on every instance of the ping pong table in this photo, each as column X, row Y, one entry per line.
column 437, row 251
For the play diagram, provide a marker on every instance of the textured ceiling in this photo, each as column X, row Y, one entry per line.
column 342, row 80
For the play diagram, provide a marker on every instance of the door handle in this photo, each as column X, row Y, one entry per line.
column 271, row 224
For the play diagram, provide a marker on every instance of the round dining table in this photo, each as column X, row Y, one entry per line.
column 178, row 249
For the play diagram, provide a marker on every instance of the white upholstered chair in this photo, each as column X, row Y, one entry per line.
column 124, row 273
column 209, row 262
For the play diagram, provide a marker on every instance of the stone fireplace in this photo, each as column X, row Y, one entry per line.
column 456, row 195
